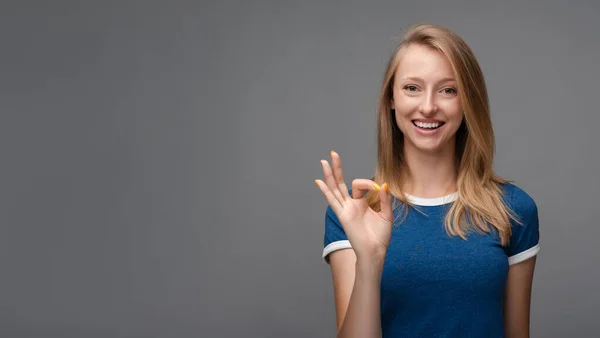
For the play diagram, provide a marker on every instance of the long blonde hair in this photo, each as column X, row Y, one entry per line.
column 480, row 195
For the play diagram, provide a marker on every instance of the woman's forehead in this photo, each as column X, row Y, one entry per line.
column 422, row 62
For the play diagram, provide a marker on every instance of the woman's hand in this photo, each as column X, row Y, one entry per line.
column 369, row 232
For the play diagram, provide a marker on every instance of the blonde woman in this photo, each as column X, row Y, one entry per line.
column 435, row 244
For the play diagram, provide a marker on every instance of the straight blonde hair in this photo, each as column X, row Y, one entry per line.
column 480, row 203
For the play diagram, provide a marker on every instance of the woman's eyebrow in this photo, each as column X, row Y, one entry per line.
column 418, row 79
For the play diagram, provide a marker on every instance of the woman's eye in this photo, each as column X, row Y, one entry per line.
column 450, row 91
column 411, row 88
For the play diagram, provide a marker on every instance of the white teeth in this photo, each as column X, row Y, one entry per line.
column 427, row 125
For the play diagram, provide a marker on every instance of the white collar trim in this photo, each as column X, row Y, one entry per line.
column 422, row 201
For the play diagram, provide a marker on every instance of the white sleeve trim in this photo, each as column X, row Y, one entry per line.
column 333, row 246
column 518, row 258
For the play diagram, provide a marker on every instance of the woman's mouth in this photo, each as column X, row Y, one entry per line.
column 427, row 125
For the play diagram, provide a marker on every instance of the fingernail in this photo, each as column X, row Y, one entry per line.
column 331, row 153
column 376, row 186
column 317, row 183
column 386, row 187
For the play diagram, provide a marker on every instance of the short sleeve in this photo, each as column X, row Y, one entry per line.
column 524, row 241
column 335, row 237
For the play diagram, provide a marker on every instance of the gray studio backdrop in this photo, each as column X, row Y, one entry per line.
column 158, row 157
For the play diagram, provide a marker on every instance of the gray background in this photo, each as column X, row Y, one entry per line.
column 158, row 158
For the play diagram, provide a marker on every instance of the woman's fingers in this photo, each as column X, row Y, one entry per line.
column 338, row 175
column 336, row 206
column 331, row 183
column 334, row 187
column 361, row 185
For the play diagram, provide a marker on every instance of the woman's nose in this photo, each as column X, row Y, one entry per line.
column 428, row 106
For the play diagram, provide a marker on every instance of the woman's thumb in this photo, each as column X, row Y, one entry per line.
column 385, row 200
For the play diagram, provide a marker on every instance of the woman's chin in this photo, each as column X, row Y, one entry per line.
column 430, row 146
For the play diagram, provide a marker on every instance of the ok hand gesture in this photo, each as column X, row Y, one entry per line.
column 369, row 232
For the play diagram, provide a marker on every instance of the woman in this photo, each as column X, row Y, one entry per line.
column 444, row 247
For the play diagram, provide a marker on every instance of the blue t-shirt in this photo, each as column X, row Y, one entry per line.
column 435, row 285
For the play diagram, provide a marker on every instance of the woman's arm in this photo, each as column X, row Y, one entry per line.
column 356, row 285
column 517, row 299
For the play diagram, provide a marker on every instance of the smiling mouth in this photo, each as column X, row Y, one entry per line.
column 427, row 126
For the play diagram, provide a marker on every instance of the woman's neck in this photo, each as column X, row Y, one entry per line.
column 430, row 175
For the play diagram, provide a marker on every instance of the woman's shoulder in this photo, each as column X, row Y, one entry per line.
column 518, row 199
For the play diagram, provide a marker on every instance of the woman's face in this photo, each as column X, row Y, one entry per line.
column 426, row 101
